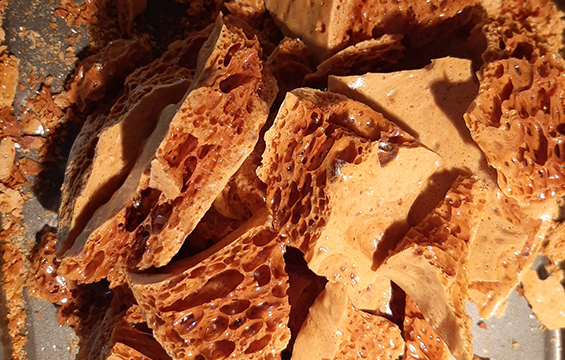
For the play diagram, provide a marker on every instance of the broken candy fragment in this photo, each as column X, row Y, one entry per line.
column 229, row 301
column 335, row 329
column 546, row 297
column 330, row 26
column 108, row 145
column 443, row 90
column 430, row 264
column 120, row 331
column 517, row 121
column 506, row 244
column 340, row 182
column 101, row 74
column 370, row 55
column 428, row 103
column 554, row 244
column 541, row 15
column 422, row 342
column 197, row 145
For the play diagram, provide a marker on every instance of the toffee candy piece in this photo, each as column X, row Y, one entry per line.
column 429, row 103
column 108, row 145
column 443, row 90
column 506, row 244
column 330, row 26
column 517, row 117
column 229, row 301
column 421, row 341
column 184, row 164
column 338, row 175
column 429, row 264
column 335, row 329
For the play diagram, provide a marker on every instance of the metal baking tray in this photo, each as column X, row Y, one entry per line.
column 517, row 335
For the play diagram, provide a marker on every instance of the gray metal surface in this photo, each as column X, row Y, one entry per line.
column 518, row 335
column 47, row 340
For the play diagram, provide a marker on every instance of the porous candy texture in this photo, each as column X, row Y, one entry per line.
column 517, row 116
column 315, row 132
column 379, row 336
column 422, row 342
column 291, row 56
column 104, row 72
column 231, row 304
column 184, row 164
column 435, row 252
column 541, row 16
column 45, row 282
column 328, row 27
column 367, row 335
column 102, row 155
column 337, row 330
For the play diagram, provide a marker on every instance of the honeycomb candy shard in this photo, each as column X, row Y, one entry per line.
column 490, row 296
column 332, row 331
column 508, row 38
column 184, row 164
column 104, row 72
column 554, row 244
column 543, row 16
column 330, row 26
column 325, row 152
column 244, row 194
column 506, row 243
column 248, row 10
column 501, row 235
column 229, row 301
column 435, row 253
column 44, row 281
column 516, row 120
column 291, row 56
column 546, row 297
column 380, row 54
column 97, row 167
column 443, row 90
column 421, row 341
